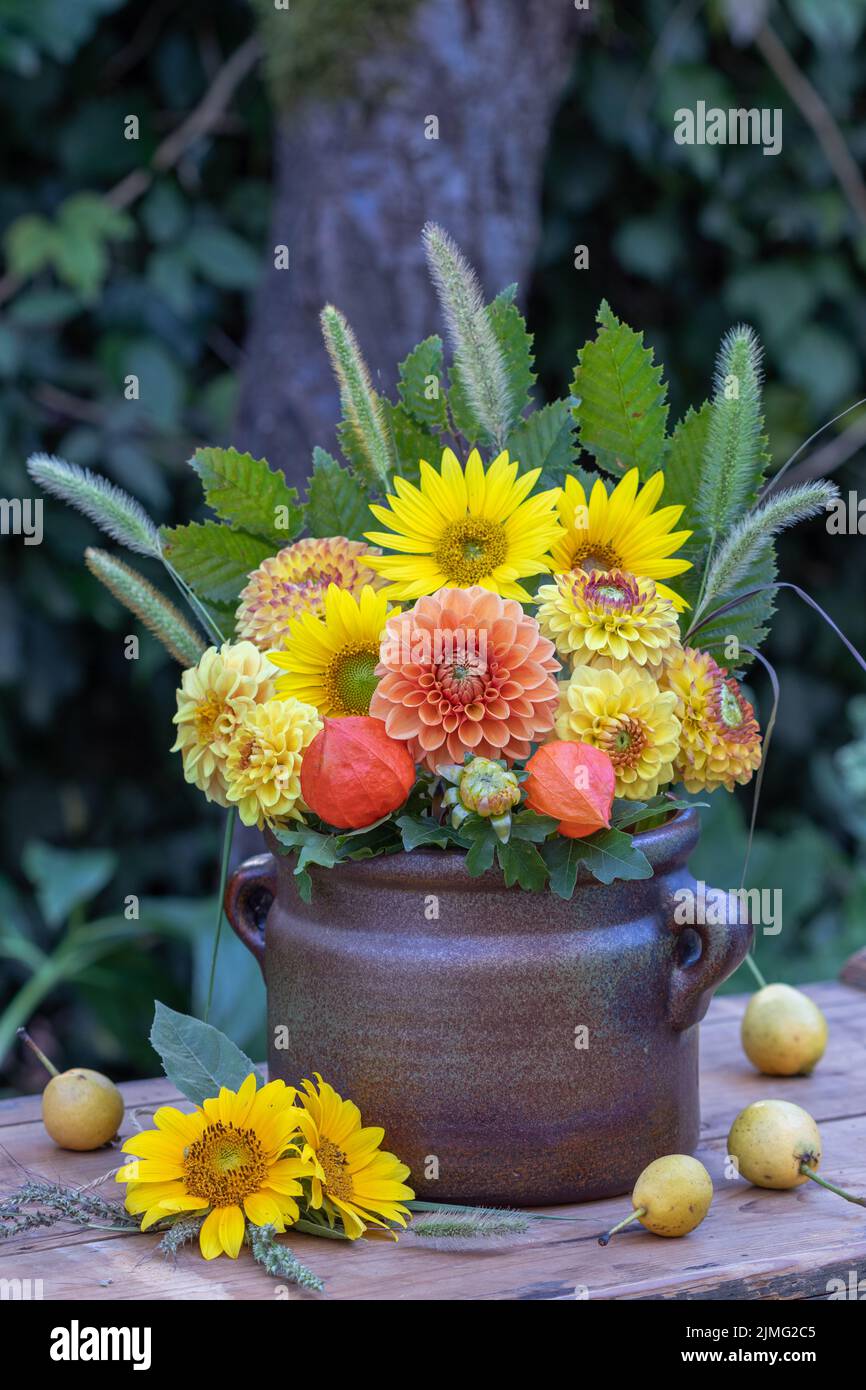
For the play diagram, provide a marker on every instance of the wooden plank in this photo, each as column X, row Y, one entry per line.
column 752, row 1244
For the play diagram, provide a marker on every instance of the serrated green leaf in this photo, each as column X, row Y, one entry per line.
column 528, row 825
column 521, row 863
column 411, row 442
column 546, row 440
column 563, row 858
column 607, row 855
column 336, row 501
column 213, row 559
column 515, row 343
column 197, row 1058
column 610, row 854
column 682, row 469
column 421, row 385
column 622, row 406
column 481, row 852
column 249, row 494
column 417, row 831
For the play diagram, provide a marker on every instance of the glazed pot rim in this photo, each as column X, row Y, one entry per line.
column 665, row 846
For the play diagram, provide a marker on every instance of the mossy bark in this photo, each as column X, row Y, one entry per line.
column 357, row 176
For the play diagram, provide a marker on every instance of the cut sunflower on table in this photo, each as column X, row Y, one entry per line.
column 232, row 1158
column 353, row 1180
column 464, row 527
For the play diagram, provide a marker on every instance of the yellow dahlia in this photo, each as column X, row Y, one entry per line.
column 331, row 662
column 721, row 742
column 295, row 581
column 233, row 1158
column 626, row 715
column 213, row 698
column 263, row 766
column 621, row 531
column 599, row 614
column 353, row 1178
column 465, row 527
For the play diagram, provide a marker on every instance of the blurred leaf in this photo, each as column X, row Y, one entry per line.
column 833, row 24
column 223, row 258
column 648, row 246
column 66, row 879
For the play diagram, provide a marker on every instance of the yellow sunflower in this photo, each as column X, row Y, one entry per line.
column 626, row 715
column 232, row 1158
column 621, row 531
column 353, row 1178
column 465, row 527
column 330, row 662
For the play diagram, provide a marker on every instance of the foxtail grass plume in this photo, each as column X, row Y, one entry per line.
column 108, row 506
column 158, row 615
column 361, row 406
column 752, row 536
column 477, row 354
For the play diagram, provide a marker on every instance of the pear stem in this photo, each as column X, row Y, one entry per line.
column 25, row 1037
column 831, row 1186
column 626, row 1221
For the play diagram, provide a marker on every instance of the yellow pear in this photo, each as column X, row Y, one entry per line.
column 784, row 1033
column 671, row 1197
column 772, row 1140
column 81, row 1109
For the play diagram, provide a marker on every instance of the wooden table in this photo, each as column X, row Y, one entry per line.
column 753, row 1244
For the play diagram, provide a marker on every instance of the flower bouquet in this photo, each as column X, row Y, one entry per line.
column 506, row 635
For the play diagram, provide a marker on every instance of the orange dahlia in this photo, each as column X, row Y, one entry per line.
column 720, row 743
column 295, row 581
column 465, row 671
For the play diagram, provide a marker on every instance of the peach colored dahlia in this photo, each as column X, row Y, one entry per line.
column 295, row 581
column 466, row 671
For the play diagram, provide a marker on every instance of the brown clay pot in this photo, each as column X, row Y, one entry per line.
column 461, row 1032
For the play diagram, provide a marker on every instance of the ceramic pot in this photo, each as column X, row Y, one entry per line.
column 517, row 1049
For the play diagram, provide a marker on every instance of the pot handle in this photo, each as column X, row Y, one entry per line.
column 249, row 894
column 695, row 977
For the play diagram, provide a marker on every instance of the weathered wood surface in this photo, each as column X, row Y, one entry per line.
column 753, row 1244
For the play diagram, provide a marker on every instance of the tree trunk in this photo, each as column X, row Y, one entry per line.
column 357, row 178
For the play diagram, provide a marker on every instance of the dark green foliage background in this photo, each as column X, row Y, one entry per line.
column 683, row 241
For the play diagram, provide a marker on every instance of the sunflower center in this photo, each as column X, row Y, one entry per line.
column 225, row 1165
column 336, row 1169
column 470, row 549
column 729, row 707
column 590, row 555
column 351, row 679
column 626, row 741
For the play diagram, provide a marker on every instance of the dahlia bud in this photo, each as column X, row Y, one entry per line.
column 485, row 787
